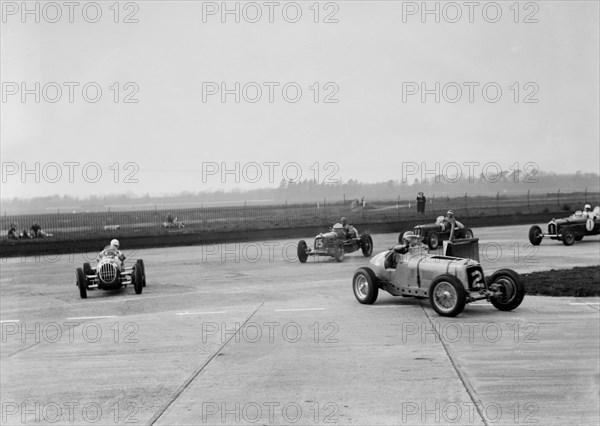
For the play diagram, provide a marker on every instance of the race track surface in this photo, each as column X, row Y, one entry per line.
column 244, row 334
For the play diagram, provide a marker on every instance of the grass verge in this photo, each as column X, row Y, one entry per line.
column 574, row 282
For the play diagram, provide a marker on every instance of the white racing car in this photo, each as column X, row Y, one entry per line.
column 448, row 281
column 110, row 273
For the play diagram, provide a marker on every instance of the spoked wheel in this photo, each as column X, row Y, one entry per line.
column 447, row 295
column 433, row 241
column 510, row 288
column 81, row 283
column 364, row 285
column 302, row 249
column 568, row 236
column 366, row 243
column 468, row 233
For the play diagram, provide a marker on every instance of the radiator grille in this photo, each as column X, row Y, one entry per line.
column 108, row 273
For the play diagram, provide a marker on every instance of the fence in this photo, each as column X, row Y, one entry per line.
column 83, row 225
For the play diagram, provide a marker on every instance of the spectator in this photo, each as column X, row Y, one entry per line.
column 36, row 230
column 421, row 201
column 12, row 232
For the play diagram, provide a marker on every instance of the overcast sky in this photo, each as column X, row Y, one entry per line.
column 375, row 55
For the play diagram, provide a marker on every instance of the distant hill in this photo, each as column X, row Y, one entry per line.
column 310, row 191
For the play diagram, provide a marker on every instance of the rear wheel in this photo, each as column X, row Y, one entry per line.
column 400, row 237
column 366, row 244
column 447, row 295
column 535, row 235
column 568, row 236
column 511, row 288
column 364, row 285
column 579, row 238
column 302, row 248
column 433, row 241
column 138, row 279
column 338, row 254
column 81, row 283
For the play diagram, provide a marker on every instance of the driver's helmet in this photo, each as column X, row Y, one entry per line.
column 587, row 208
column 115, row 243
column 409, row 238
column 450, row 213
column 344, row 221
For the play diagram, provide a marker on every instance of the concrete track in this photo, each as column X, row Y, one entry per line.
column 243, row 334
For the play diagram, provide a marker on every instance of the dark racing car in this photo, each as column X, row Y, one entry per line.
column 568, row 230
column 336, row 243
column 433, row 234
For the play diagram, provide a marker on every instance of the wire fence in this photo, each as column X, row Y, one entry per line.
column 109, row 224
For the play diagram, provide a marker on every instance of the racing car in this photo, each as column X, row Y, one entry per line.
column 110, row 273
column 435, row 233
column 449, row 282
column 568, row 230
column 336, row 244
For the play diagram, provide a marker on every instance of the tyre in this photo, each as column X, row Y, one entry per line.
column 433, row 240
column 447, row 295
column 143, row 267
column 579, row 238
column 365, row 286
column 302, row 248
column 366, row 244
column 511, row 287
column 535, row 235
column 138, row 279
column 568, row 236
column 400, row 237
column 338, row 254
column 87, row 269
column 468, row 233
column 81, row 283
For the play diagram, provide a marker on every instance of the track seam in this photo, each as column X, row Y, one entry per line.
column 195, row 374
column 463, row 378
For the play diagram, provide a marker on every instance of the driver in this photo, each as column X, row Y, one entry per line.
column 587, row 211
column 411, row 246
column 349, row 230
column 114, row 245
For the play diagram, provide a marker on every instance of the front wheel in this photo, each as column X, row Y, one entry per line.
column 535, row 235
column 81, row 283
column 143, row 267
column 512, row 290
column 366, row 244
column 433, row 241
column 87, row 269
column 447, row 295
column 568, row 236
column 302, row 249
column 138, row 279
column 468, row 233
column 364, row 285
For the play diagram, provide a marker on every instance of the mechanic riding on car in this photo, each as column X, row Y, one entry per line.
column 587, row 211
column 452, row 223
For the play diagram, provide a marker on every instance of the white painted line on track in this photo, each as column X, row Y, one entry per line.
column 585, row 303
column 299, row 309
column 10, row 321
column 201, row 313
column 98, row 317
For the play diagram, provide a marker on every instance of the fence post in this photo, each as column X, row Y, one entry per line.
column 498, row 203
column 398, row 206
column 466, row 206
column 558, row 198
column 585, row 196
column 528, row 203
